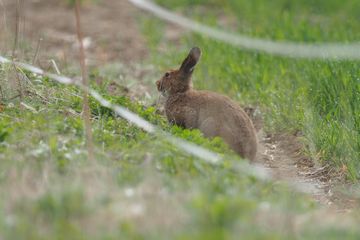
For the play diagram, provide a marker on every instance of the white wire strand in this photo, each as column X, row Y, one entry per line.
column 330, row 51
column 190, row 148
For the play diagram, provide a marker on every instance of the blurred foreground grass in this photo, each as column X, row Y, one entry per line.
column 140, row 186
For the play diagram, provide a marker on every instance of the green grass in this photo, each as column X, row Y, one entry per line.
column 306, row 20
column 139, row 187
column 318, row 98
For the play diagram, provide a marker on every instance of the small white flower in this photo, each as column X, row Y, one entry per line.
column 129, row 192
column 137, row 209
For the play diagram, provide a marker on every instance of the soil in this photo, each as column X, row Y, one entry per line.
column 111, row 34
column 109, row 28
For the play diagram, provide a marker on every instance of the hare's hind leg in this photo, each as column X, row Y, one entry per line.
column 209, row 127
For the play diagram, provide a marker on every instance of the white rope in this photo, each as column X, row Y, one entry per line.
column 190, row 148
column 332, row 51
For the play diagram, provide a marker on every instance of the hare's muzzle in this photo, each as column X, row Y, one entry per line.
column 158, row 84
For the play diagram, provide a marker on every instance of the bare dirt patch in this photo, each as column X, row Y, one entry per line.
column 110, row 30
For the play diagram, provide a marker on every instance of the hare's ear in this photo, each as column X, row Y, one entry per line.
column 187, row 67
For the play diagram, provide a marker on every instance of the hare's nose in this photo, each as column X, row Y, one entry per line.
column 158, row 85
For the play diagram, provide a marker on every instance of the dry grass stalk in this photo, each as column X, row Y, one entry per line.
column 17, row 27
column 15, row 47
column 37, row 51
column 85, row 82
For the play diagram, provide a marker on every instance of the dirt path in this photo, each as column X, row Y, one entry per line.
column 282, row 155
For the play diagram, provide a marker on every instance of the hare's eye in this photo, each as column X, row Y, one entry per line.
column 167, row 75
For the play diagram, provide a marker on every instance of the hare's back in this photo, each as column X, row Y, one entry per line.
column 220, row 116
column 219, row 107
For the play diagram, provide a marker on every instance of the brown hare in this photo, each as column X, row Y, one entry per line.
column 212, row 113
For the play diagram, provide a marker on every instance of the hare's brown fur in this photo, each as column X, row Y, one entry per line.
column 212, row 113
